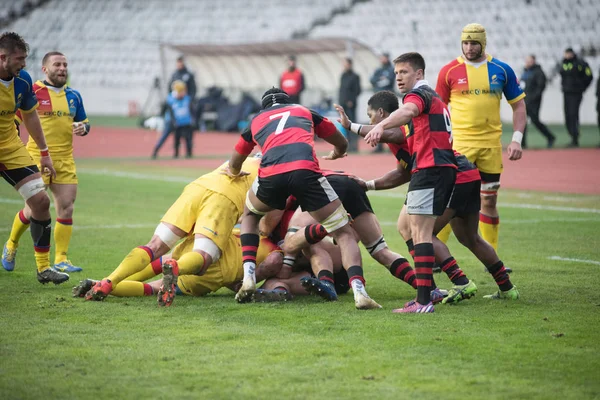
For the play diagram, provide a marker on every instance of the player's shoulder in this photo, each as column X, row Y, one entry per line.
column 24, row 77
column 70, row 91
column 455, row 62
column 501, row 64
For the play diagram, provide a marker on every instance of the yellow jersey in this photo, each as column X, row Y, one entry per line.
column 474, row 92
column 16, row 94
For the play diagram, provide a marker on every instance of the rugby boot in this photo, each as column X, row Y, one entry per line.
column 99, row 291
column 49, row 275
column 460, row 292
column 321, row 288
column 8, row 258
column 415, row 308
column 271, row 296
column 511, row 294
column 83, row 287
column 166, row 293
column 66, row 266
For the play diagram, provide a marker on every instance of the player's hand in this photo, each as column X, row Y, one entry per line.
column 344, row 120
column 47, row 167
column 374, row 135
column 361, row 182
column 333, row 155
column 227, row 171
column 79, row 128
column 515, row 151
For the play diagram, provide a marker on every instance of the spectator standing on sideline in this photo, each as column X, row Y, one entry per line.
column 349, row 91
column 534, row 84
column 383, row 78
column 179, row 105
column 576, row 76
column 183, row 74
column 292, row 81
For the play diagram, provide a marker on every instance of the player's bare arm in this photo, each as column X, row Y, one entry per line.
column 81, row 128
column 234, row 168
column 514, row 149
column 268, row 223
column 34, row 127
column 362, row 130
column 392, row 179
column 340, row 144
column 401, row 116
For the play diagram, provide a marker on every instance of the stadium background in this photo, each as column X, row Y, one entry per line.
column 57, row 347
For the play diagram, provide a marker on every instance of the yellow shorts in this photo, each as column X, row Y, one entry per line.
column 214, row 278
column 487, row 160
column 208, row 213
column 66, row 173
column 14, row 155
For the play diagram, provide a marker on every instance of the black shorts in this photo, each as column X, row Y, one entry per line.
column 430, row 190
column 466, row 199
column 353, row 197
column 311, row 189
column 14, row 176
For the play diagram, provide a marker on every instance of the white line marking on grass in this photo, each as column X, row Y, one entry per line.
column 558, row 258
column 512, row 205
column 134, row 175
column 523, row 221
column 11, row 201
column 118, row 226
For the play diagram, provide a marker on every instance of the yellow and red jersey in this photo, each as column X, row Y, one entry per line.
column 474, row 92
column 59, row 108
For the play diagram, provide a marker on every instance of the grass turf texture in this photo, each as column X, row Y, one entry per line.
column 544, row 346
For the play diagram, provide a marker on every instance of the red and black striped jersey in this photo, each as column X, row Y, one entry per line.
column 401, row 150
column 285, row 135
column 467, row 171
column 430, row 140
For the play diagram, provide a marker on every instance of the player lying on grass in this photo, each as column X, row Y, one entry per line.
column 227, row 272
column 462, row 212
column 209, row 207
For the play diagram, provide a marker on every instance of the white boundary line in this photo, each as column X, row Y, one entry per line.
column 118, row 226
column 134, row 175
column 558, row 258
column 524, row 221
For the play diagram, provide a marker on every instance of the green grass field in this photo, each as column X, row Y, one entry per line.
column 546, row 345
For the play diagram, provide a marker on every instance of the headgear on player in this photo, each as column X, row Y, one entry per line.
column 474, row 33
column 274, row 96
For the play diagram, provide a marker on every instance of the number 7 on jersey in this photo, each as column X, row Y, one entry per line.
column 281, row 125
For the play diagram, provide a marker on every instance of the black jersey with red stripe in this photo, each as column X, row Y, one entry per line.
column 285, row 135
column 401, row 150
column 467, row 171
column 430, row 140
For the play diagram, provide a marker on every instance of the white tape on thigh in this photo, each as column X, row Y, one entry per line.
column 251, row 207
column 31, row 188
column 489, row 188
column 166, row 235
column 209, row 247
column 336, row 220
column 376, row 246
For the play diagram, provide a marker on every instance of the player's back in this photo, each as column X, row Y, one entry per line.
column 234, row 189
column 285, row 134
column 430, row 140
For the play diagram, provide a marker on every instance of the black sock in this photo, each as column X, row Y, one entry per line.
column 500, row 276
column 424, row 259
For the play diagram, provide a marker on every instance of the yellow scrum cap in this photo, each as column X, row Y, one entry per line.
column 474, row 33
column 178, row 86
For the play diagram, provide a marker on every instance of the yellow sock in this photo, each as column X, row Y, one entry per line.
column 42, row 259
column 62, row 237
column 19, row 226
column 151, row 270
column 132, row 289
column 489, row 227
column 190, row 263
column 135, row 261
column 41, row 231
column 444, row 234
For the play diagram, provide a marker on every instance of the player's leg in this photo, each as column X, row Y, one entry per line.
column 303, row 231
column 165, row 237
column 370, row 234
column 254, row 209
column 64, row 200
column 428, row 195
column 322, row 256
column 278, row 289
column 315, row 195
column 176, row 142
column 489, row 219
column 465, row 229
column 189, row 140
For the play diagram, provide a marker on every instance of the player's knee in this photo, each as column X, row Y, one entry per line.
column 163, row 236
column 375, row 248
column 489, row 201
column 66, row 210
column 337, row 220
column 208, row 249
column 468, row 241
column 39, row 203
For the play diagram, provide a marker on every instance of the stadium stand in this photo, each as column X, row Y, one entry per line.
column 113, row 45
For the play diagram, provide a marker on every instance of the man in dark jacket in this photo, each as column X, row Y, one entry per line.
column 349, row 91
column 534, row 82
column 384, row 77
column 598, row 99
column 185, row 75
column 576, row 77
